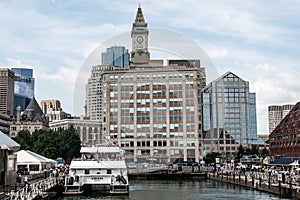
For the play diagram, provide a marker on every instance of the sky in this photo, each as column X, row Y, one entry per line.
column 256, row 40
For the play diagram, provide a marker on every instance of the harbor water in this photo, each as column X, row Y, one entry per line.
column 181, row 190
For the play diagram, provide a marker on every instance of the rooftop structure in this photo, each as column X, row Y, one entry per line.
column 116, row 56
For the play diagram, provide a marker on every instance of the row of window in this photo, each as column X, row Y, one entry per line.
column 155, row 135
column 158, row 143
column 154, row 76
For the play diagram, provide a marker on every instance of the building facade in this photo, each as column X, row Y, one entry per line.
column 285, row 138
column 115, row 56
column 7, row 84
column 276, row 113
column 52, row 110
column 88, row 130
column 32, row 119
column 153, row 111
column 229, row 115
column 93, row 100
column 4, row 123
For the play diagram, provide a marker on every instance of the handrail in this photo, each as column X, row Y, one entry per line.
column 31, row 191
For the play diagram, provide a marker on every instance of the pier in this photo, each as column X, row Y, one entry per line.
column 35, row 189
column 259, row 181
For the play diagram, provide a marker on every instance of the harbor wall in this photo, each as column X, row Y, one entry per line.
column 284, row 190
column 167, row 176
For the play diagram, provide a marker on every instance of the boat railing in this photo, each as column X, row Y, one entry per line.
column 95, row 159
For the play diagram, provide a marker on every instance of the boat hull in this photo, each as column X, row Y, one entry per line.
column 99, row 188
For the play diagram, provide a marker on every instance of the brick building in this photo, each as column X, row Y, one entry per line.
column 285, row 139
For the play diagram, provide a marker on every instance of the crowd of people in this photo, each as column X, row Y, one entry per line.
column 267, row 173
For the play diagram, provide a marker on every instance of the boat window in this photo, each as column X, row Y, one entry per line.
column 108, row 171
column 86, row 171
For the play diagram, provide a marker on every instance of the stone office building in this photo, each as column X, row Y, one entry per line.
column 153, row 111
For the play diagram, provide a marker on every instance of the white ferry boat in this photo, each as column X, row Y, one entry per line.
column 100, row 169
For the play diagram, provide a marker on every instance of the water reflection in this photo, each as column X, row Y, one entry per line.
column 179, row 190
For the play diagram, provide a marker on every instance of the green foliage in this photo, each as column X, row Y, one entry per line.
column 265, row 152
column 24, row 139
column 211, row 157
column 240, row 152
column 247, row 151
column 267, row 142
column 69, row 149
column 51, row 144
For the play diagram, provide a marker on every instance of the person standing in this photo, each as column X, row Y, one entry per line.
column 19, row 178
column 26, row 180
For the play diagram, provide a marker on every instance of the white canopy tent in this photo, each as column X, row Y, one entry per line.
column 28, row 161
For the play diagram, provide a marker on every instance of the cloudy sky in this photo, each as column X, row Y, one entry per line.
column 257, row 40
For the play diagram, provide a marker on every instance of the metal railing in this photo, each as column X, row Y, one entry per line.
column 31, row 191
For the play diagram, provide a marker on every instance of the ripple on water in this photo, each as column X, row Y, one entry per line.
column 181, row 190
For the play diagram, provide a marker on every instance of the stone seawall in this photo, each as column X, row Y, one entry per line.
column 284, row 190
column 166, row 175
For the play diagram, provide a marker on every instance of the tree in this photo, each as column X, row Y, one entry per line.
column 240, row 152
column 264, row 152
column 52, row 144
column 252, row 151
column 24, row 139
column 211, row 157
column 69, row 144
column 45, row 143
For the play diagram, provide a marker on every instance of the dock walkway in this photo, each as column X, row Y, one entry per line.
column 276, row 187
column 33, row 190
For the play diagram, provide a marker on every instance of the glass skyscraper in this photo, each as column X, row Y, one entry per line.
column 229, row 115
column 116, row 56
column 24, row 87
column 24, row 82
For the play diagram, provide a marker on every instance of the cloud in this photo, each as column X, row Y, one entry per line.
column 215, row 52
column 15, row 63
column 274, row 85
column 57, row 85
column 257, row 40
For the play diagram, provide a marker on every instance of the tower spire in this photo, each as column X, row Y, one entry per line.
column 139, row 36
column 139, row 19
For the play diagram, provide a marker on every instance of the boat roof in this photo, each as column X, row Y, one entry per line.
column 79, row 164
column 101, row 149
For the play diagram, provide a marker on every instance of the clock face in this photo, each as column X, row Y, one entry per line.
column 139, row 39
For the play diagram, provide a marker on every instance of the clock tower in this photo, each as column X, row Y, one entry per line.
column 139, row 37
